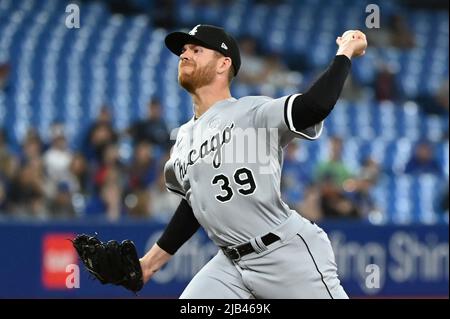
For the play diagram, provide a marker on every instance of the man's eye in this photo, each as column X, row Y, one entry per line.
column 196, row 50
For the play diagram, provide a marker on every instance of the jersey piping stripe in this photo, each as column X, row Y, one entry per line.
column 176, row 191
column 315, row 264
column 257, row 244
column 285, row 112
column 290, row 123
column 288, row 111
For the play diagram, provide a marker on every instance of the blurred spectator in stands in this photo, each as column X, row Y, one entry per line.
column 137, row 204
column 278, row 76
column 370, row 170
column 32, row 133
column 31, row 147
column 423, row 160
column 333, row 201
column 379, row 37
column 351, row 91
column 269, row 71
column 79, row 174
column 79, row 182
column 8, row 161
column 26, row 194
column 8, row 167
column 331, row 176
column 385, row 83
column 4, row 147
column 3, row 197
column 442, row 96
column 310, row 207
column 437, row 103
column 153, row 129
column 295, row 176
column 333, row 168
column 142, row 173
column 162, row 202
column 100, row 135
column 28, row 188
column 359, row 189
column 109, row 180
column 56, row 161
column 5, row 69
column 60, row 205
column 401, row 35
column 163, row 13
column 253, row 69
column 397, row 33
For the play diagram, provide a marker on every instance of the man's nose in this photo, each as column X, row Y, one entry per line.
column 185, row 55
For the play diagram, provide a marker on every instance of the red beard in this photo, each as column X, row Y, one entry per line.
column 197, row 78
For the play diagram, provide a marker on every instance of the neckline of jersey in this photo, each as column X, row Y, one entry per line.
column 195, row 120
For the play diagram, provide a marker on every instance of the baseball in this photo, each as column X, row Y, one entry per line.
column 359, row 39
column 349, row 33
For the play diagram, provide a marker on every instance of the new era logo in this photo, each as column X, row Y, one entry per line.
column 224, row 46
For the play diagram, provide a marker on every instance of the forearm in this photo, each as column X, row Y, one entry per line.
column 325, row 92
column 181, row 227
column 317, row 102
column 153, row 260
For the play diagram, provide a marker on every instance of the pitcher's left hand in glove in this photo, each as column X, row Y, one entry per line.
column 111, row 262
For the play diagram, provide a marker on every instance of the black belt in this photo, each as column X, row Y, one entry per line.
column 235, row 253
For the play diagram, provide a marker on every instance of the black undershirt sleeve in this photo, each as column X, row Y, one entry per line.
column 314, row 105
column 180, row 228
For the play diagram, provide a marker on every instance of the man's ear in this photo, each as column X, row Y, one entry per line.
column 224, row 65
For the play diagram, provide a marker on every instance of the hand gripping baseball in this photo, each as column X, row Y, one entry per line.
column 352, row 43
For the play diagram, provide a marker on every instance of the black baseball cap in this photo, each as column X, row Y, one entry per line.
column 208, row 36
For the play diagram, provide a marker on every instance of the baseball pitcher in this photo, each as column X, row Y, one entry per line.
column 226, row 166
column 267, row 250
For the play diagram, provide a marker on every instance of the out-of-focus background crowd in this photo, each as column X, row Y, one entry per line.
column 86, row 116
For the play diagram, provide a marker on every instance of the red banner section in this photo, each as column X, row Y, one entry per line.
column 57, row 254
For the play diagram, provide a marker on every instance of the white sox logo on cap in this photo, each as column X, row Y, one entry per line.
column 194, row 30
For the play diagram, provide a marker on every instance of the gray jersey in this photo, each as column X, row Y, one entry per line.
column 227, row 165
